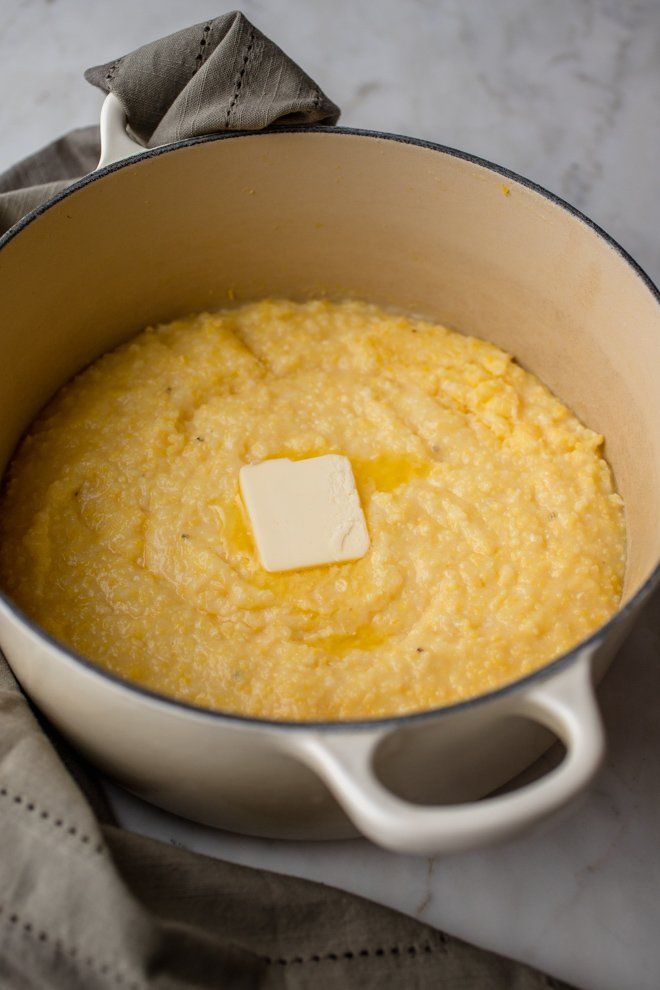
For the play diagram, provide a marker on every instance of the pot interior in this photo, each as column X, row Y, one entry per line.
column 299, row 214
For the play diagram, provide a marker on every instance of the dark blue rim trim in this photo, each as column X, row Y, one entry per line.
column 543, row 673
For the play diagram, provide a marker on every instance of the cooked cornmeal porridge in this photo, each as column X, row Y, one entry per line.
column 496, row 538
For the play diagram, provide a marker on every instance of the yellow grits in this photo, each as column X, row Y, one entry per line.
column 497, row 539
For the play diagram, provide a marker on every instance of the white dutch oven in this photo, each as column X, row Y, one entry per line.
column 403, row 223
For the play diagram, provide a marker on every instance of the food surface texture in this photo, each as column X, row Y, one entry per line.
column 495, row 535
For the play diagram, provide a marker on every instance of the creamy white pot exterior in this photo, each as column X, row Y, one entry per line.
column 265, row 779
column 298, row 213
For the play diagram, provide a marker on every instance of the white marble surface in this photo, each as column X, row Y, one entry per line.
column 568, row 93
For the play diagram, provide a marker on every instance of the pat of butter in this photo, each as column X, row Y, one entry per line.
column 304, row 513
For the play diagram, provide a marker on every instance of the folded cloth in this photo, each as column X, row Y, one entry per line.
column 83, row 903
column 222, row 75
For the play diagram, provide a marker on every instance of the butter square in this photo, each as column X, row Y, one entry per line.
column 304, row 513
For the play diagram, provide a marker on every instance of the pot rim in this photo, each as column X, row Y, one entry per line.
column 588, row 645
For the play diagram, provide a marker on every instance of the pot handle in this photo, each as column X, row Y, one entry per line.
column 115, row 142
column 564, row 703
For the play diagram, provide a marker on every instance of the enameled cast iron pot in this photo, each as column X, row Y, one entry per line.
column 403, row 223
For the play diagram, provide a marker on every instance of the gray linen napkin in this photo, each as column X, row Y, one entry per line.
column 83, row 903
column 87, row 905
column 222, row 75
